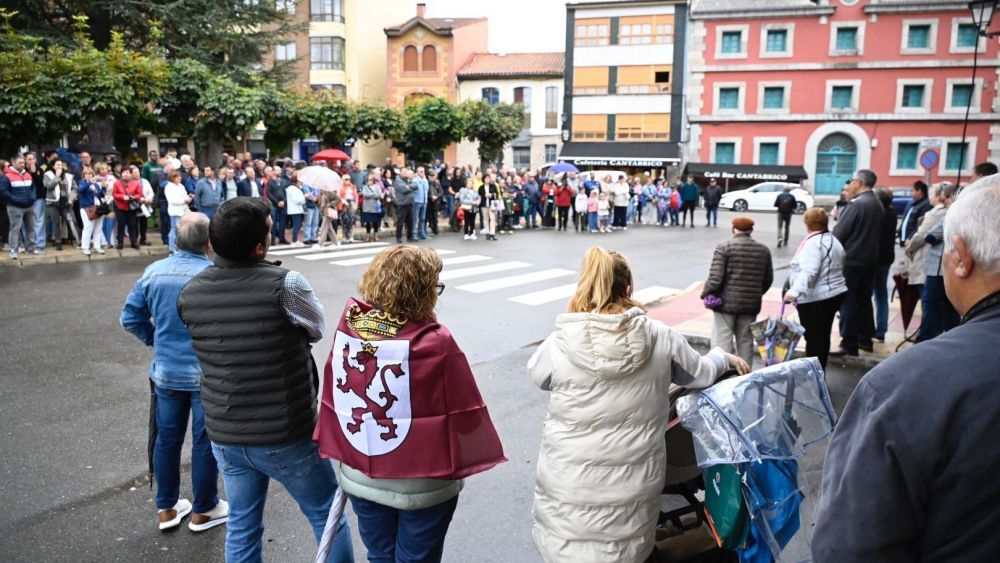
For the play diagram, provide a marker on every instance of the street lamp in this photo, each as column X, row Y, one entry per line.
column 982, row 15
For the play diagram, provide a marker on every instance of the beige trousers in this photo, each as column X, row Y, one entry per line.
column 732, row 334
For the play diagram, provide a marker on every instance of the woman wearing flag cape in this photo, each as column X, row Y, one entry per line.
column 603, row 457
column 401, row 415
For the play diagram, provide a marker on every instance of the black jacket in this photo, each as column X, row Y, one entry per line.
column 887, row 243
column 713, row 195
column 259, row 381
column 910, row 472
column 276, row 190
column 741, row 273
column 860, row 230
column 916, row 210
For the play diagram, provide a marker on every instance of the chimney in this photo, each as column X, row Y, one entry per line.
column 421, row 9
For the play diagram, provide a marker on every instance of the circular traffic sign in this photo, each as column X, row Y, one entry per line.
column 929, row 159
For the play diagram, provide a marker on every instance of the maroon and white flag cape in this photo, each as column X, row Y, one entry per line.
column 399, row 401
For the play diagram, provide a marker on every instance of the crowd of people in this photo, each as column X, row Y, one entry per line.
column 70, row 199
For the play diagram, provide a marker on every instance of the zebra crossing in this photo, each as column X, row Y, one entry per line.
column 474, row 273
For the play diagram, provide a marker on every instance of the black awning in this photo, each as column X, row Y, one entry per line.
column 749, row 172
column 621, row 154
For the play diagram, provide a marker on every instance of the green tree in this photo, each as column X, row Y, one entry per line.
column 493, row 126
column 376, row 121
column 46, row 91
column 329, row 118
column 430, row 126
column 285, row 118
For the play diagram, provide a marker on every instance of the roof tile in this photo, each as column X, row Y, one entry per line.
column 513, row 64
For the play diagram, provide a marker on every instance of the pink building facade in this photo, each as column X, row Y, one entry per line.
column 841, row 85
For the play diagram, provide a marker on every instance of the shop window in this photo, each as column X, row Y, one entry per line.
column 906, row 156
column 428, row 62
column 769, row 154
column 410, row 59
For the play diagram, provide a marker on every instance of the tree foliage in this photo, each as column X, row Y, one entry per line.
column 430, row 126
column 376, row 121
column 493, row 126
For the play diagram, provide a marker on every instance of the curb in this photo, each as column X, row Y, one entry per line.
column 854, row 362
column 77, row 256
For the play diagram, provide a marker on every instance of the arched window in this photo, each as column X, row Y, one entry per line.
column 410, row 59
column 429, row 62
column 491, row 96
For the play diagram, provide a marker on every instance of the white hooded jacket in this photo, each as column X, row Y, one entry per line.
column 602, row 462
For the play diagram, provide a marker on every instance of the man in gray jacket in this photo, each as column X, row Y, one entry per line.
column 859, row 230
column 404, row 189
column 741, row 273
column 910, row 472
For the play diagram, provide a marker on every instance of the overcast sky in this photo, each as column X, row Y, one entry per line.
column 516, row 26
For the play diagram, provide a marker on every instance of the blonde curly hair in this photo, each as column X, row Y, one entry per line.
column 402, row 281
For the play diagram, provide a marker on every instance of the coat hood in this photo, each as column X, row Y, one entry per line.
column 607, row 346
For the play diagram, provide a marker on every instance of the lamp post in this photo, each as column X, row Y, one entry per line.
column 982, row 15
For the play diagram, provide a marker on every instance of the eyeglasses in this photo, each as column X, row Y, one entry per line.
column 440, row 288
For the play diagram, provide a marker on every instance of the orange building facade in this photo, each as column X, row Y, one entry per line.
column 423, row 56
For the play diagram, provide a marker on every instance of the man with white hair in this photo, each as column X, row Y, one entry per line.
column 910, row 471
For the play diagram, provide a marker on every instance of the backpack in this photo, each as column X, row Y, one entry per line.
column 786, row 203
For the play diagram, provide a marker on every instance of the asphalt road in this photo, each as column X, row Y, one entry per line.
column 74, row 397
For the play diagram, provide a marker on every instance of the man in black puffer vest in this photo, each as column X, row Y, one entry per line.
column 252, row 324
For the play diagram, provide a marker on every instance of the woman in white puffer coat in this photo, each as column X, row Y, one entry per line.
column 602, row 462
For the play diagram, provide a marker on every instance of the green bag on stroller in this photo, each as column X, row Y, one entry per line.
column 725, row 507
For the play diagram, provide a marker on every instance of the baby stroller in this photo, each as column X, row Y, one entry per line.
column 682, row 533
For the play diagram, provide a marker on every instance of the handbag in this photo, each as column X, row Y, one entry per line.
column 331, row 213
column 134, row 204
column 712, row 302
column 725, row 507
column 466, row 207
column 102, row 209
column 91, row 212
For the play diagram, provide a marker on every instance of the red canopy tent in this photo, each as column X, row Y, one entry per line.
column 331, row 154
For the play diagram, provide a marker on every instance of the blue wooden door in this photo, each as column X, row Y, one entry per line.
column 836, row 160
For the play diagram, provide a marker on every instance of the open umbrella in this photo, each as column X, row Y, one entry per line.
column 563, row 167
column 331, row 154
column 320, row 177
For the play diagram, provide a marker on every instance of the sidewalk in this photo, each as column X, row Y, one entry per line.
column 686, row 313
column 70, row 253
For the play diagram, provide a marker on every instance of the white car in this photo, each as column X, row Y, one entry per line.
column 761, row 198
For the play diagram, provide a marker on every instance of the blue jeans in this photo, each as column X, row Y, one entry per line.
column 937, row 313
column 420, row 218
column 278, row 215
column 312, row 223
column 881, row 294
column 38, row 207
column 530, row 214
column 674, row 216
column 164, row 223
column 209, row 211
column 172, row 409
column 592, row 221
column 403, row 536
column 711, row 215
column 172, row 240
column 109, row 228
column 247, row 472
column 296, row 225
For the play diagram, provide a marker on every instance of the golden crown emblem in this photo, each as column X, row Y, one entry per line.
column 368, row 348
column 374, row 324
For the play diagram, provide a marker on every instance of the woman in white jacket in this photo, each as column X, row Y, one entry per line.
column 177, row 204
column 602, row 462
column 817, row 285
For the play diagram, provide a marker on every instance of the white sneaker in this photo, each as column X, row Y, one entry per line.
column 298, row 244
column 171, row 517
column 100, row 250
column 13, row 253
column 210, row 519
column 86, row 253
column 472, row 236
column 466, row 237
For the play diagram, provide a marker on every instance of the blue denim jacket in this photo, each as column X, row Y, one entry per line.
column 150, row 313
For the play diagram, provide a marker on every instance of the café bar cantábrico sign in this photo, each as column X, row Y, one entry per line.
column 622, row 162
